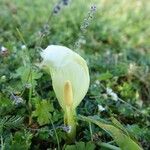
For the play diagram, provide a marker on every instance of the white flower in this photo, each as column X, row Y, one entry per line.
column 3, row 78
column 109, row 91
column 3, row 49
column 23, row 47
column 132, row 68
column 97, row 82
column 69, row 72
column 113, row 95
column 101, row 108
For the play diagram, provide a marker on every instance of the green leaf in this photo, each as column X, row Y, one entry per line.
column 81, row 146
column 117, row 124
column 108, row 146
column 90, row 146
column 28, row 75
column 10, row 122
column 42, row 112
column 124, row 141
column 105, row 76
column 70, row 147
column 21, row 141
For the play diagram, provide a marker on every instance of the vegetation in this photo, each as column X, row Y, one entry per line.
column 114, row 39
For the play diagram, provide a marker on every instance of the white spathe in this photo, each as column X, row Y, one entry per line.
column 65, row 65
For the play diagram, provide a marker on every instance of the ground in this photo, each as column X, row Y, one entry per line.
column 114, row 39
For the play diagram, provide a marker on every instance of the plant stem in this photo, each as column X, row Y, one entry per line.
column 91, row 133
column 70, row 121
column 109, row 146
column 55, row 134
column 30, row 96
column 2, row 144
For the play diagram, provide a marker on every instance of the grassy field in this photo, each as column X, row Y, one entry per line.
column 115, row 42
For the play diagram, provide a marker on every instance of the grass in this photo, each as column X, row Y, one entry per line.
column 116, row 47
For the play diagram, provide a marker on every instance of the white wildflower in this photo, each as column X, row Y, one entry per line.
column 97, row 82
column 3, row 78
column 23, row 47
column 113, row 95
column 132, row 68
column 101, row 108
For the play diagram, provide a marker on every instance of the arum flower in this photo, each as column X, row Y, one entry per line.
column 70, row 80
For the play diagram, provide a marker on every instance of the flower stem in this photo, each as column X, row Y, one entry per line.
column 70, row 121
column 55, row 134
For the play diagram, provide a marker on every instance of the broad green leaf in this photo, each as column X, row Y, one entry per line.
column 70, row 147
column 42, row 112
column 81, row 146
column 124, row 141
column 108, row 146
column 117, row 124
column 90, row 146
column 121, row 127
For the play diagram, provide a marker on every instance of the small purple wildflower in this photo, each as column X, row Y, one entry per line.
column 56, row 9
column 93, row 8
column 65, row 128
column 17, row 100
column 65, row 2
column 59, row 5
column 84, row 26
